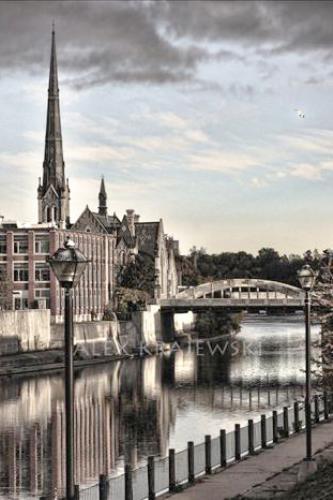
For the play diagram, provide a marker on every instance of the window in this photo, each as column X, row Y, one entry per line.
column 42, row 245
column 21, row 244
column 43, row 293
column 21, row 303
column 42, row 272
column 3, row 244
column 21, row 272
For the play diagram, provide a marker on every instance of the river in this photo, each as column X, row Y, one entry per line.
column 130, row 409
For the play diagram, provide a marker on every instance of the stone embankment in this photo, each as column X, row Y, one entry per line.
column 29, row 342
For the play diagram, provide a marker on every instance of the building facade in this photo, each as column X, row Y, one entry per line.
column 109, row 242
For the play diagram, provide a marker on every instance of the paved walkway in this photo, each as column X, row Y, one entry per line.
column 243, row 476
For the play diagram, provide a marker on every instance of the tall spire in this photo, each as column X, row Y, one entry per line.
column 102, row 198
column 53, row 166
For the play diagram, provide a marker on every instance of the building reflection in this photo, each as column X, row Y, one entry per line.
column 124, row 412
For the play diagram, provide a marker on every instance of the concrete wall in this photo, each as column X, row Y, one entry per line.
column 23, row 331
column 91, row 338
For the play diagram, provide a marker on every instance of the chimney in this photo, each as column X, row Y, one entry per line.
column 130, row 215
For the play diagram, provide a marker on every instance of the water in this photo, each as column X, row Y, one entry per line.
column 131, row 409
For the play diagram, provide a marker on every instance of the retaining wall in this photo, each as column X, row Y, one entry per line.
column 23, row 331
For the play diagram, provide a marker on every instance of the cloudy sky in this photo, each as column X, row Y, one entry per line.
column 187, row 108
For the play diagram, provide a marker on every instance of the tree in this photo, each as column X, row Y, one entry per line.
column 139, row 275
column 323, row 297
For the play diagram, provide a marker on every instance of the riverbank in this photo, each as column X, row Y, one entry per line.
column 47, row 361
column 270, row 474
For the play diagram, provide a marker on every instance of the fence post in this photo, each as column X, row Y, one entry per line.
column 151, row 478
column 128, row 483
column 296, row 417
column 330, row 407
column 208, row 454
column 286, row 421
column 237, row 442
column 103, row 487
column 190, row 460
column 326, row 409
column 172, row 470
column 250, row 430
column 275, row 427
column 316, row 408
column 263, row 431
column 223, row 448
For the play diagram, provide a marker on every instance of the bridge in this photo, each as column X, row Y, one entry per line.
column 236, row 294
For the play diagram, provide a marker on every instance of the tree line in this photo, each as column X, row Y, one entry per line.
column 200, row 266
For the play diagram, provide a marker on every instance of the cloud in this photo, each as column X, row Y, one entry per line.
column 157, row 42
column 98, row 42
column 223, row 161
column 307, row 171
column 278, row 26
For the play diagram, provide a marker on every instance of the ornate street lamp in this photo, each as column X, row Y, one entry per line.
column 307, row 278
column 68, row 265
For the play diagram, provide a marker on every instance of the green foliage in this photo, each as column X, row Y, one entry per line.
column 129, row 300
column 139, row 275
column 200, row 267
column 210, row 324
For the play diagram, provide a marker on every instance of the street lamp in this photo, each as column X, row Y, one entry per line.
column 307, row 277
column 68, row 265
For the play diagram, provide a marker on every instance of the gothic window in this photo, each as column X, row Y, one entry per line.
column 49, row 214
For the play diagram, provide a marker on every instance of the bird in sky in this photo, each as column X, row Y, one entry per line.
column 300, row 113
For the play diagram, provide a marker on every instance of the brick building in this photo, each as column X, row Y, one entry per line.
column 109, row 242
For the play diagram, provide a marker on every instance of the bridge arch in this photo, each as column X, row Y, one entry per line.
column 246, row 289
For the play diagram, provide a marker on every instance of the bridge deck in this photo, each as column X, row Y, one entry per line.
column 222, row 303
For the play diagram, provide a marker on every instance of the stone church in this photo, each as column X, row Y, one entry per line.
column 109, row 242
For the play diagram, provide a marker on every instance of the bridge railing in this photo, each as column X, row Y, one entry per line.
column 185, row 467
column 211, row 302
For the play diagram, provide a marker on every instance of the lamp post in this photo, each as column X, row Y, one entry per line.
column 68, row 265
column 307, row 277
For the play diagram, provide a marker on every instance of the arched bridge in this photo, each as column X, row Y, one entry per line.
column 236, row 294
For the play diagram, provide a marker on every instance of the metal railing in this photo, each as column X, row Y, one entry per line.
column 178, row 469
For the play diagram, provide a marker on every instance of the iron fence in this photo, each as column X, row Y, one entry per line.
column 168, row 474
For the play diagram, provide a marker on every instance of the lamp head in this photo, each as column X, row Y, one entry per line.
column 307, row 277
column 68, row 264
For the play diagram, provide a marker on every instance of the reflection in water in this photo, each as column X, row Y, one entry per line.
column 128, row 410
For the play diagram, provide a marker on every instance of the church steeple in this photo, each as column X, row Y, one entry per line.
column 102, row 198
column 53, row 192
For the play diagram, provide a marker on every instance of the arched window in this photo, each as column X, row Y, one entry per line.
column 49, row 214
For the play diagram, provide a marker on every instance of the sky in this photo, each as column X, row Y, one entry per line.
column 187, row 108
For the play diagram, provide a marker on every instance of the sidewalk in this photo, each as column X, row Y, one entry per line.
column 253, row 471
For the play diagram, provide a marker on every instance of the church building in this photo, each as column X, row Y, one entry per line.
column 109, row 242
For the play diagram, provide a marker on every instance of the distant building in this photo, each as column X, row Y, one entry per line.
column 109, row 242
